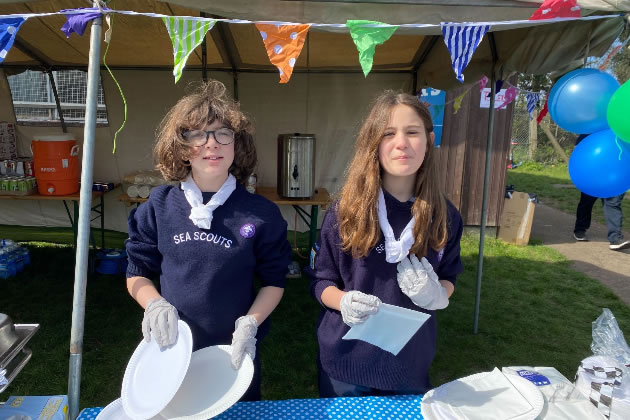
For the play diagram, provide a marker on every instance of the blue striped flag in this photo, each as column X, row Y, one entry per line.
column 8, row 31
column 462, row 39
column 532, row 100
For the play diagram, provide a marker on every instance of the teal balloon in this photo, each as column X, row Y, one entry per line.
column 578, row 101
column 619, row 112
column 598, row 167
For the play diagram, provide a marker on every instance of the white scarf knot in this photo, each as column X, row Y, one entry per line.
column 201, row 214
column 395, row 250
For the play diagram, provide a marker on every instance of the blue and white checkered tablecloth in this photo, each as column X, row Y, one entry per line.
column 365, row 408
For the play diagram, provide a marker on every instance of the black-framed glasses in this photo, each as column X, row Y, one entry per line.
column 198, row 138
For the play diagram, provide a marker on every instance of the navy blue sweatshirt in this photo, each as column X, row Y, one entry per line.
column 358, row 362
column 208, row 275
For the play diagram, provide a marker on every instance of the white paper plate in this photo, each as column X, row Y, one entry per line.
column 527, row 390
column 211, row 385
column 114, row 411
column 153, row 376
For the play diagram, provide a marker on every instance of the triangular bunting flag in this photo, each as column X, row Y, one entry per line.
column 543, row 112
column 77, row 22
column 510, row 95
column 498, row 85
column 186, row 34
column 556, row 9
column 532, row 101
column 483, row 82
column 462, row 39
column 284, row 44
column 367, row 38
column 458, row 102
column 8, row 31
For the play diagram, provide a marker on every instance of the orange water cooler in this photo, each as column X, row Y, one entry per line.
column 56, row 162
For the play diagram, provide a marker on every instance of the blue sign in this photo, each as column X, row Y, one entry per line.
column 434, row 100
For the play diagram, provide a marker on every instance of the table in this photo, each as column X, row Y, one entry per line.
column 361, row 408
column 98, row 208
column 321, row 198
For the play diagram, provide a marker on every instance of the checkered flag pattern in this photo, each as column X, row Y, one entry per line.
column 603, row 380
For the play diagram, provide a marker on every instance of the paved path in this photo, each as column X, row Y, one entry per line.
column 593, row 258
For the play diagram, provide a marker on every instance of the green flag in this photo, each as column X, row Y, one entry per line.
column 186, row 34
column 366, row 39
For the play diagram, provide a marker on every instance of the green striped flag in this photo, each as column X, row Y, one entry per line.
column 186, row 34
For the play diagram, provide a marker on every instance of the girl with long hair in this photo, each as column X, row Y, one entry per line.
column 391, row 237
column 205, row 238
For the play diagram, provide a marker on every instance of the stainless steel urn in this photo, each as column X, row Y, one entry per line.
column 296, row 165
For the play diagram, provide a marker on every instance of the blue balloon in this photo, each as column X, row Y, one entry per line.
column 578, row 101
column 596, row 167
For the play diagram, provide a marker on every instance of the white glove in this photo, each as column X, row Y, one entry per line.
column 244, row 340
column 160, row 319
column 356, row 307
column 417, row 280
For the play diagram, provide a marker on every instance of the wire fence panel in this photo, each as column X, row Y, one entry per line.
column 529, row 143
column 34, row 100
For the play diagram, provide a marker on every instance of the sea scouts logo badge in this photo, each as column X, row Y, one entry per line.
column 248, row 230
column 380, row 248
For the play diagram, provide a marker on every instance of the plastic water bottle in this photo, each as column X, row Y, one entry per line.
column 4, row 269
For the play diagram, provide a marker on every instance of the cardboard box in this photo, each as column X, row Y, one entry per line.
column 37, row 407
column 516, row 219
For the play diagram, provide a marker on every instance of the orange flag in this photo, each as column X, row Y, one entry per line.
column 284, row 44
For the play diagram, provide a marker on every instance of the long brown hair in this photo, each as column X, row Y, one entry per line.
column 357, row 215
column 205, row 105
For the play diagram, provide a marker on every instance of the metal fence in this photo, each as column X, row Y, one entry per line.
column 34, row 101
column 529, row 146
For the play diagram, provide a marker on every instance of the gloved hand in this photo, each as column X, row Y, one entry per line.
column 244, row 340
column 357, row 306
column 417, row 280
column 160, row 319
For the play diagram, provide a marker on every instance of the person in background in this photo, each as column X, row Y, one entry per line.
column 392, row 190
column 612, row 212
column 206, row 238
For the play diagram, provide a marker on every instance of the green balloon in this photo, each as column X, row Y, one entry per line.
column 618, row 113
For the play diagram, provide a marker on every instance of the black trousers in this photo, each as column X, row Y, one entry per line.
column 583, row 213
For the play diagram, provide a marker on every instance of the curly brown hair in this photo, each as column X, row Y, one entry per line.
column 204, row 105
column 357, row 215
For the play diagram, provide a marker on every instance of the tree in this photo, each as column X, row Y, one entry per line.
column 620, row 63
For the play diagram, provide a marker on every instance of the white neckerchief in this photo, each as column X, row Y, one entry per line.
column 395, row 250
column 201, row 214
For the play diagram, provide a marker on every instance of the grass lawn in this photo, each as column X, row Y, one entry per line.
column 535, row 311
column 535, row 178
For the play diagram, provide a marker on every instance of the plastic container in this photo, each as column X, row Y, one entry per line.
column 112, row 261
column 56, row 162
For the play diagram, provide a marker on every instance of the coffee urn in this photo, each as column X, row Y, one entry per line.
column 296, row 165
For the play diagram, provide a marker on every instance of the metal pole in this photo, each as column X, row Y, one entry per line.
column 204, row 55
column 53, row 85
column 85, row 207
column 486, row 182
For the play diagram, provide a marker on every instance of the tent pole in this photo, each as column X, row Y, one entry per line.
column 204, row 55
column 83, row 224
column 486, row 180
column 53, row 85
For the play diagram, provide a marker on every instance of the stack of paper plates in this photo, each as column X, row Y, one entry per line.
column 114, row 411
column 175, row 383
column 211, row 385
column 153, row 376
column 484, row 396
